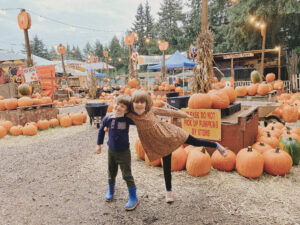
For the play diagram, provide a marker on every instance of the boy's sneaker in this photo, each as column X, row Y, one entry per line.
column 169, row 197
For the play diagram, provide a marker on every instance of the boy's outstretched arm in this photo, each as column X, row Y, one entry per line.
column 101, row 134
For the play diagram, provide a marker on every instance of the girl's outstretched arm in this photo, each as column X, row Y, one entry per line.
column 170, row 113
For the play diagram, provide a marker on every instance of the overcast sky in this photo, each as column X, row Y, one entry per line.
column 111, row 17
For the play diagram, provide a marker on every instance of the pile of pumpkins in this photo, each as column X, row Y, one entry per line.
column 216, row 99
column 13, row 103
column 31, row 128
column 289, row 110
column 71, row 101
column 276, row 150
column 259, row 87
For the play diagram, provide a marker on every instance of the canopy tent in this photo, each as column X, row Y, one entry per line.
column 177, row 60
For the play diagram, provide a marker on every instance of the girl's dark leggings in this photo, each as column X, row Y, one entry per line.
column 167, row 159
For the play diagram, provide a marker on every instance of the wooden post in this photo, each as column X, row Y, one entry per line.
column 263, row 32
column 279, row 63
column 231, row 68
column 29, row 60
column 163, row 68
column 204, row 23
column 131, row 70
column 63, row 66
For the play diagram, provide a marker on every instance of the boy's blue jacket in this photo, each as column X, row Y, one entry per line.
column 118, row 139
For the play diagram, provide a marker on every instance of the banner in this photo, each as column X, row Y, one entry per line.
column 206, row 123
column 149, row 60
column 30, row 74
column 46, row 76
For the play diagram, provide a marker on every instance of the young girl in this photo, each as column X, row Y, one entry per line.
column 159, row 139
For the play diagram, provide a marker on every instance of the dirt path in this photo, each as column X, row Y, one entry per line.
column 55, row 178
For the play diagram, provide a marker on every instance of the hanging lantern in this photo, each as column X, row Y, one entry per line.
column 163, row 46
column 129, row 39
column 24, row 20
column 61, row 49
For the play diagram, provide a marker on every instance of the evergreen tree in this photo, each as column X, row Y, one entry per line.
column 38, row 48
column 148, row 22
column 169, row 24
column 139, row 29
column 99, row 50
column 68, row 54
column 114, row 53
column 77, row 54
column 53, row 55
column 88, row 50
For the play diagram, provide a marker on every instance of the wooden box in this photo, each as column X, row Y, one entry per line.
column 239, row 130
column 23, row 115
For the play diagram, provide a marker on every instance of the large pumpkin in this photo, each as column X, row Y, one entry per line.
column 252, row 89
column 25, row 101
column 16, row 130
column 249, row 163
column 261, row 147
column 241, row 91
column 43, row 124
column 139, row 149
column 277, row 162
column 179, row 158
column 220, row 100
column 65, row 121
column 6, row 124
column 198, row 162
column 263, row 89
column 222, row 163
column 290, row 113
column 200, row 101
column 255, row 77
column 230, row 93
column 267, row 138
column 24, row 89
column 53, row 122
column 11, row 103
column 76, row 118
column 291, row 146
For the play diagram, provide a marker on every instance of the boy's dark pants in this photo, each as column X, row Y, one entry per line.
column 124, row 160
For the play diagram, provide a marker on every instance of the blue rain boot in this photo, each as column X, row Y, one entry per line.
column 133, row 200
column 110, row 193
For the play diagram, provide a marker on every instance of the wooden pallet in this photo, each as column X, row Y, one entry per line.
column 270, row 97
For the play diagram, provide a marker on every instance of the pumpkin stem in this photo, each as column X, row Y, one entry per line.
column 261, row 143
column 277, row 150
column 268, row 134
column 203, row 150
column 249, row 149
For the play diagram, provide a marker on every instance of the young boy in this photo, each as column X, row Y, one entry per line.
column 118, row 149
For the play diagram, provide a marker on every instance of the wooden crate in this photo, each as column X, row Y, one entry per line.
column 239, row 130
column 8, row 90
column 23, row 115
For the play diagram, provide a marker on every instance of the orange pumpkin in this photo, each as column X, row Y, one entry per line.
column 241, row 91
column 252, row 89
column 16, row 130
column 53, row 122
column 2, row 105
column 139, row 149
column 263, row 89
column 270, row 77
column 154, row 163
column 222, row 163
column 76, row 119
column 24, row 20
column 198, row 162
column 249, row 163
column 29, row 129
column 6, row 124
column 268, row 139
column 200, row 101
column 43, row 124
column 133, row 83
column 219, row 100
column 278, row 85
column 261, row 147
column 65, row 121
column 25, row 101
column 3, row 131
column 277, row 162
column 179, row 158
column 61, row 49
column 290, row 113
column 230, row 93
column 11, row 103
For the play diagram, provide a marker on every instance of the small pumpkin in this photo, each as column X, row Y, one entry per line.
column 16, row 130
column 3, row 131
column 11, row 103
column 43, row 124
column 65, row 121
column 53, row 122
column 255, row 77
column 198, row 162
column 268, row 139
column 2, row 105
column 24, row 89
column 263, row 89
column 270, row 77
column 179, row 158
column 76, row 118
column 241, row 91
column 25, row 101
column 249, row 163
column 277, row 162
column 219, row 100
column 133, row 83
column 290, row 113
column 6, row 124
column 252, row 89
column 261, row 147
column 222, row 163
column 230, row 93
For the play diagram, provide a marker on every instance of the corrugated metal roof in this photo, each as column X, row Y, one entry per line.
column 7, row 55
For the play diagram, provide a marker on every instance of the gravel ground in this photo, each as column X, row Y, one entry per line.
column 55, row 178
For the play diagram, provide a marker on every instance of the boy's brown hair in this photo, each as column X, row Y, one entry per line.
column 125, row 100
column 141, row 96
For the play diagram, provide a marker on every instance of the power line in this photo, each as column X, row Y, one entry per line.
column 63, row 23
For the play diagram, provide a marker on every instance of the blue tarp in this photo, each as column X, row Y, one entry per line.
column 100, row 74
column 177, row 60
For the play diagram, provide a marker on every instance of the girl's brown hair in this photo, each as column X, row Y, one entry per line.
column 141, row 96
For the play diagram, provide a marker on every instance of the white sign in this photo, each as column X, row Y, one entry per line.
column 30, row 74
